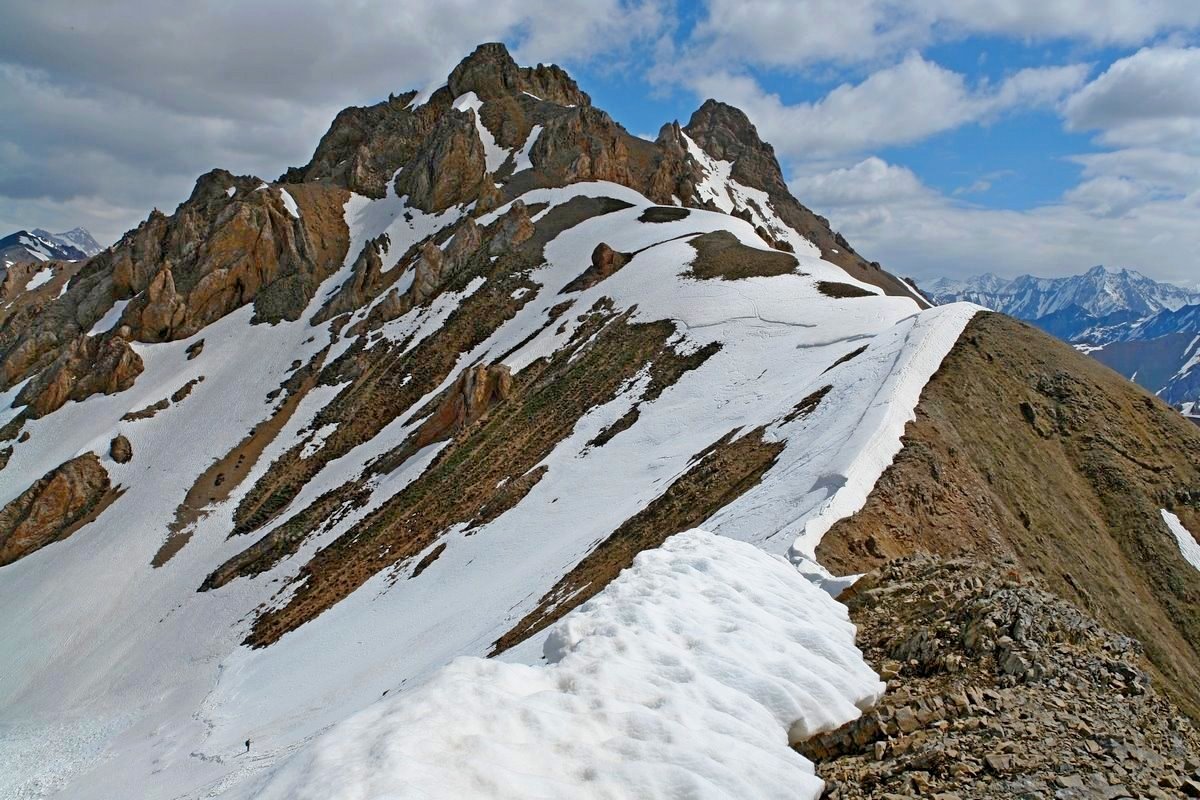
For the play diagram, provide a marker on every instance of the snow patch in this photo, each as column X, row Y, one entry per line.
column 39, row 279
column 289, row 203
column 318, row 440
column 494, row 154
column 109, row 319
column 874, row 439
column 1188, row 545
column 687, row 676
column 522, row 161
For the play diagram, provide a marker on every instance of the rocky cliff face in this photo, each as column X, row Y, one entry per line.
column 727, row 134
column 234, row 242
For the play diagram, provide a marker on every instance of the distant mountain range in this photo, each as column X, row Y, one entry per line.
column 1147, row 330
column 42, row 245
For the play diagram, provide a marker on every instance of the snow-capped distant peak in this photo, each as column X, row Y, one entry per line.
column 78, row 238
column 41, row 245
column 1098, row 292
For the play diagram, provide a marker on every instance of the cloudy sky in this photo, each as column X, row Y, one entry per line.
column 941, row 136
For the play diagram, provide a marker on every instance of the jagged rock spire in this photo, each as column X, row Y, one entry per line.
column 726, row 133
column 491, row 72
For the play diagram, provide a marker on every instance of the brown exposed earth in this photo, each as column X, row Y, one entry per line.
column 216, row 484
column 721, row 255
column 388, row 378
column 516, row 430
column 841, row 290
column 1023, row 448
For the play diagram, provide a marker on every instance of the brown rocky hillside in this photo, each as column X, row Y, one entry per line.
column 1025, row 449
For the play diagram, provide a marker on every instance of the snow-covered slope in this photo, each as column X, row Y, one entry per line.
column 767, row 659
column 149, row 685
column 371, row 492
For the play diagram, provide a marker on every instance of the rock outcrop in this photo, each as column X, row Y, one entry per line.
column 165, row 310
column 475, row 391
column 491, row 73
column 364, row 146
column 90, row 365
column 605, row 262
column 433, row 267
column 366, row 281
column 512, row 229
column 442, row 163
column 450, row 167
column 49, row 509
column 585, row 144
column 726, row 133
column 234, row 241
column 222, row 250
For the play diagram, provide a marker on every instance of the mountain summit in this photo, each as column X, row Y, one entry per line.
column 490, row 453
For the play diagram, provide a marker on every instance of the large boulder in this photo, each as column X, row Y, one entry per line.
column 120, row 450
column 52, row 507
column 475, row 391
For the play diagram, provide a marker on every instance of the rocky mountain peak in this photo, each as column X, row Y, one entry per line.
column 726, row 133
column 491, row 73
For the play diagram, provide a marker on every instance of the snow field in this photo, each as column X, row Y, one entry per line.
column 688, row 676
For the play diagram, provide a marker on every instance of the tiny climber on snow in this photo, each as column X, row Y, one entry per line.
column 247, row 745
